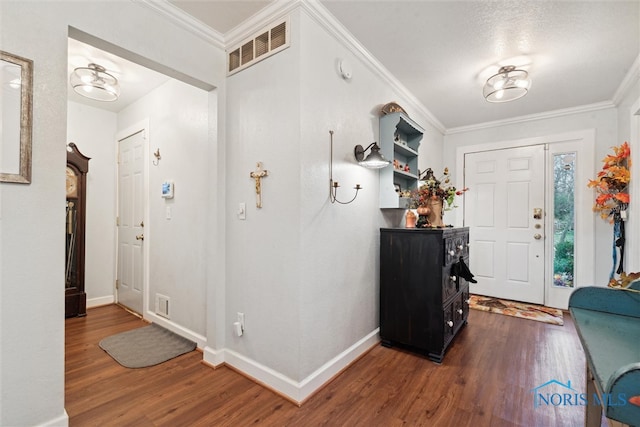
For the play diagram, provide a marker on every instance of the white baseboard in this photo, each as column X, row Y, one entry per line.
column 200, row 340
column 213, row 357
column 295, row 391
column 61, row 421
column 336, row 365
column 97, row 302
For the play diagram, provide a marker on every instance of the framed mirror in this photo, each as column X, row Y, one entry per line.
column 16, row 96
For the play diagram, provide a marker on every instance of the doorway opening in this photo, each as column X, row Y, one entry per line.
column 177, row 108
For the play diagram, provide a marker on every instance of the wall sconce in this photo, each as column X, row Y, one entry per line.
column 333, row 185
column 374, row 160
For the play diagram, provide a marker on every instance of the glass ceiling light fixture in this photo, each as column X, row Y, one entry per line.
column 374, row 160
column 509, row 84
column 95, row 83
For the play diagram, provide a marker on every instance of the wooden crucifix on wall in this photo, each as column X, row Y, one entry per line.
column 257, row 175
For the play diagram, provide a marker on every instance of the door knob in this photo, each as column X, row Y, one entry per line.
column 537, row 236
column 140, row 237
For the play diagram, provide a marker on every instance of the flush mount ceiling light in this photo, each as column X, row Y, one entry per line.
column 374, row 160
column 94, row 82
column 509, row 84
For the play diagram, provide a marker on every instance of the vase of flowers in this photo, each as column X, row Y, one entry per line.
column 434, row 197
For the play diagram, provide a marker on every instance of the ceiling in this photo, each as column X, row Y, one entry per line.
column 135, row 80
column 577, row 52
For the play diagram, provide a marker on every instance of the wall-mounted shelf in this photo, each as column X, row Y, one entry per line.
column 403, row 149
column 400, row 139
column 404, row 174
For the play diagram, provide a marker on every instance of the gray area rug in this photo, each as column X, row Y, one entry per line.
column 146, row 346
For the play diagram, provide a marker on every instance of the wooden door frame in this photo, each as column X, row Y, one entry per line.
column 585, row 273
column 142, row 126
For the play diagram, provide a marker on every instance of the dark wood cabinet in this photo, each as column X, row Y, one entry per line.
column 75, row 298
column 423, row 300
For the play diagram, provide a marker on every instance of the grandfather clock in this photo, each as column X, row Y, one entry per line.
column 75, row 298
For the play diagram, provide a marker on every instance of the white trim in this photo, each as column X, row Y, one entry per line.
column 293, row 390
column 263, row 374
column 329, row 370
column 588, row 136
column 629, row 80
column 326, row 20
column 184, row 21
column 213, row 357
column 175, row 328
column 276, row 10
column 532, row 117
column 62, row 420
column 314, row 9
column 632, row 260
column 262, row 19
column 100, row 301
column 584, row 220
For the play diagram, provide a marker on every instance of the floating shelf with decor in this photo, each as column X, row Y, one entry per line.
column 399, row 142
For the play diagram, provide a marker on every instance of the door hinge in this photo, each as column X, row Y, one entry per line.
column 117, row 221
column 117, row 284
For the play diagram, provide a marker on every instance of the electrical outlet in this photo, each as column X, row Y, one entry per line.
column 241, row 319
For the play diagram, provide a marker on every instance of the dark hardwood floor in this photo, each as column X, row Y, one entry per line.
column 485, row 379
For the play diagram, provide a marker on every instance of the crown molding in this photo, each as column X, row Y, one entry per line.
column 261, row 19
column 323, row 17
column 632, row 76
column 184, row 21
column 532, row 117
column 276, row 10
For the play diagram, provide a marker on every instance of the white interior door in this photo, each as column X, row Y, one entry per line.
column 131, row 209
column 506, row 230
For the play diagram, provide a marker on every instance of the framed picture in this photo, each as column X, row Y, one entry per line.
column 16, row 93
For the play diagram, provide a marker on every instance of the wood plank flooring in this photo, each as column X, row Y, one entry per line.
column 485, row 379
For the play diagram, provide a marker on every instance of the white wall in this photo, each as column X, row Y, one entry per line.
column 93, row 130
column 178, row 126
column 263, row 125
column 339, row 261
column 603, row 121
column 32, row 216
column 304, row 271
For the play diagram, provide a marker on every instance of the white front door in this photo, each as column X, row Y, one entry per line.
column 131, row 221
column 504, row 210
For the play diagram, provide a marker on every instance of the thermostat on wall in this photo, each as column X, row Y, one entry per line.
column 167, row 189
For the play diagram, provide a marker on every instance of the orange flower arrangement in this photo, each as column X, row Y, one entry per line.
column 612, row 182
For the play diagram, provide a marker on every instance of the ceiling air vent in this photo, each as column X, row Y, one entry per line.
column 261, row 45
